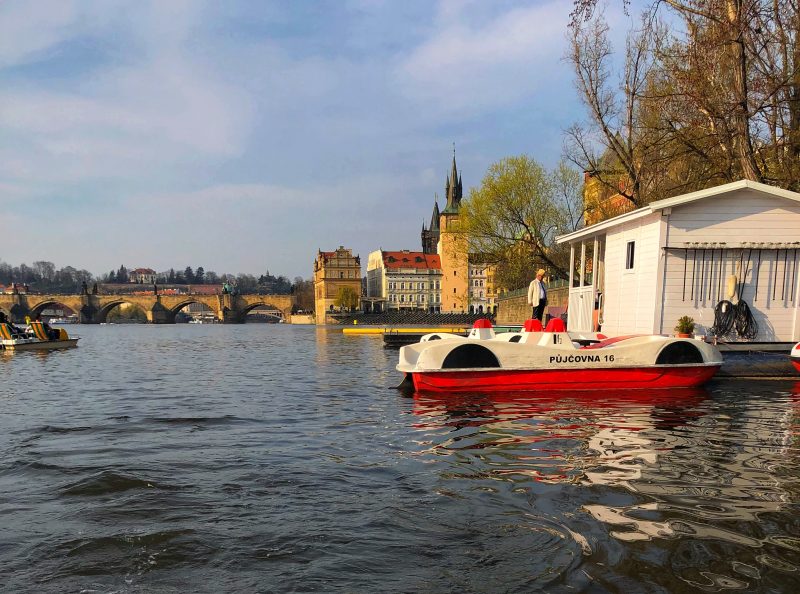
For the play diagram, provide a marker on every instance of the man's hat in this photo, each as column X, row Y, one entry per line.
column 540, row 271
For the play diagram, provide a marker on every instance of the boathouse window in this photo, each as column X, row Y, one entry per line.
column 630, row 251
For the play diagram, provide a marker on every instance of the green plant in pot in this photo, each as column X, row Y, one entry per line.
column 685, row 326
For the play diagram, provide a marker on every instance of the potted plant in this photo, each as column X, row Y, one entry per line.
column 684, row 327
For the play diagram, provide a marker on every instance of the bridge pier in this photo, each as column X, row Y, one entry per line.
column 18, row 309
column 89, row 310
column 159, row 314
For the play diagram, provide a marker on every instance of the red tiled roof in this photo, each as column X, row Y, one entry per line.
column 404, row 259
column 143, row 271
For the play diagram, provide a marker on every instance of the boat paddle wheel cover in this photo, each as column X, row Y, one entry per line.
column 533, row 325
column 469, row 356
column 678, row 353
column 482, row 323
column 555, row 325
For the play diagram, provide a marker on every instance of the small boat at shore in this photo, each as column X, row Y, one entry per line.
column 34, row 339
column 794, row 356
column 553, row 359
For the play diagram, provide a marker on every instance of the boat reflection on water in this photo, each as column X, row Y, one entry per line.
column 679, row 467
column 558, row 436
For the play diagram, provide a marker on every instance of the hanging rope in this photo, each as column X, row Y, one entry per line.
column 724, row 318
column 729, row 317
column 746, row 325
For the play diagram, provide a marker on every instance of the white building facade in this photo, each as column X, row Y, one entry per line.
column 478, row 280
column 404, row 280
column 639, row 272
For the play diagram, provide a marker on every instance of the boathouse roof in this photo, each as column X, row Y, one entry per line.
column 743, row 184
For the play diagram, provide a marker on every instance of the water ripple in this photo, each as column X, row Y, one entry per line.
column 275, row 459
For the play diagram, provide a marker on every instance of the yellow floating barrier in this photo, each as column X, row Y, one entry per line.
column 407, row 330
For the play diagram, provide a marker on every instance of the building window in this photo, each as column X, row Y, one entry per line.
column 454, row 289
column 629, row 255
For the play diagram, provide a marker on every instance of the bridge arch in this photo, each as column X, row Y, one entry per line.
column 250, row 307
column 101, row 315
column 38, row 308
column 176, row 308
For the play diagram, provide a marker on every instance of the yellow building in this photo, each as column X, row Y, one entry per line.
column 334, row 272
column 453, row 250
column 601, row 202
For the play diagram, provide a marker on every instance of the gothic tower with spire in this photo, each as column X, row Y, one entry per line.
column 430, row 236
column 452, row 248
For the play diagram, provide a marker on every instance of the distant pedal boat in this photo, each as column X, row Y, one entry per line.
column 553, row 359
column 794, row 356
column 34, row 340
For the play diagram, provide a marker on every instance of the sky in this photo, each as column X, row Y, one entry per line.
column 243, row 136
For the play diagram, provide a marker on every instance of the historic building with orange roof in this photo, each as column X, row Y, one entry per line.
column 333, row 272
column 404, row 280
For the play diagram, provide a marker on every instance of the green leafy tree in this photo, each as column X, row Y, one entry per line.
column 346, row 298
column 513, row 217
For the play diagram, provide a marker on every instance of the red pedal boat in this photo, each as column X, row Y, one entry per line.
column 795, row 356
column 553, row 359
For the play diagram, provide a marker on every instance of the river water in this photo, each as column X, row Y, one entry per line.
column 276, row 458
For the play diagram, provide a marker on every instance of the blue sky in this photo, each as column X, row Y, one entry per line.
column 243, row 136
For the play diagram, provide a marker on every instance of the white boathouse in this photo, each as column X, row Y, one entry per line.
column 639, row 272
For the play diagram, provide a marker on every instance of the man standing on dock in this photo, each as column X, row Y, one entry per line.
column 537, row 295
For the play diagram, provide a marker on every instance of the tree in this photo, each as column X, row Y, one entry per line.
column 513, row 217
column 346, row 298
column 45, row 270
column 188, row 275
column 122, row 275
column 626, row 149
column 303, row 291
column 200, row 275
column 246, row 284
column 714, row 98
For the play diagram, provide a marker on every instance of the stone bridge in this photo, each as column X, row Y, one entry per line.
column 160, row 309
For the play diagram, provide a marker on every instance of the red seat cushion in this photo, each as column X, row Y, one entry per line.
column 555, row 325
column 533, row 325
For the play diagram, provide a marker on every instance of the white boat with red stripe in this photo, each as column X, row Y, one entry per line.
column 553, row 359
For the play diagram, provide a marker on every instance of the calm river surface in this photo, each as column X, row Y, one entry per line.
column 275, row 458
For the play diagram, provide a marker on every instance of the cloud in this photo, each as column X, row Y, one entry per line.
column 242, row 136
column 155, row 107
column 29, row 28
column 472, row 66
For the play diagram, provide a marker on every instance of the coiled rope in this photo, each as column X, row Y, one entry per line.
column 729, row 317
